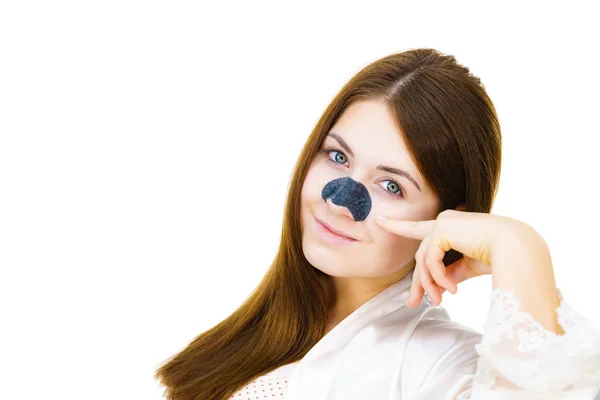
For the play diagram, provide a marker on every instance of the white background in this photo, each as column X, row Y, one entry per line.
column 146, row 150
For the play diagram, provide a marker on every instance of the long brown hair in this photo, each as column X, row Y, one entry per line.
column 451, row 129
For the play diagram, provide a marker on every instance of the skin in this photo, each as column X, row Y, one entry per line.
column 508, row 249
column 378, row 258
column 414, row 235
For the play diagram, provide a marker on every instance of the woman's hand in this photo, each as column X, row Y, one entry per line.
column 473, row 234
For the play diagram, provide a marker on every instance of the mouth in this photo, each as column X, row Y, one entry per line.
column 334, row 233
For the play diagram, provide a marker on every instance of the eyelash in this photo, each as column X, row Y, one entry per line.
column 399, row 194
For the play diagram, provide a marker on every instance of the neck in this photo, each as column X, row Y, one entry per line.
column 350, row 293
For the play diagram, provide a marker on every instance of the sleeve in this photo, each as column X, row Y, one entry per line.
column 518, row 359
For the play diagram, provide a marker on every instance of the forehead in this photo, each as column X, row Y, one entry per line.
column 372, row 133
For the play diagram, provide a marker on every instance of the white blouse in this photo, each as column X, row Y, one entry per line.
column 387, row 351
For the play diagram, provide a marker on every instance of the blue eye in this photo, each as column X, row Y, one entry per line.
column 339, row 158
column 392, row 188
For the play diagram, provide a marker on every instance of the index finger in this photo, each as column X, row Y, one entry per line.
column 411, row 229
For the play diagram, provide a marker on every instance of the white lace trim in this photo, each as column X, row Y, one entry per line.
column 518, row 352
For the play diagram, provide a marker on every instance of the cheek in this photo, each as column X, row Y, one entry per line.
column 310, row 193
column 315, row 180
column 393, row 249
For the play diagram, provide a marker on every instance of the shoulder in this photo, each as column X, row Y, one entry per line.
column 436, row 334
column 437, row 346
column 275, row 380
column 434, row 322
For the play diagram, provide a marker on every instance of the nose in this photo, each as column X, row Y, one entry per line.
column 342, row 210
column 351, row 194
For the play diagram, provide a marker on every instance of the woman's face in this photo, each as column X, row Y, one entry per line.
column 364, row 137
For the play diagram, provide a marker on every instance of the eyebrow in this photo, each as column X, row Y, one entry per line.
column 380, row 167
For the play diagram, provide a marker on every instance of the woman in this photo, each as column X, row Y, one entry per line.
column 414, row 137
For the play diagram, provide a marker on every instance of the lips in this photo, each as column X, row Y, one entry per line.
column 336, row 231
